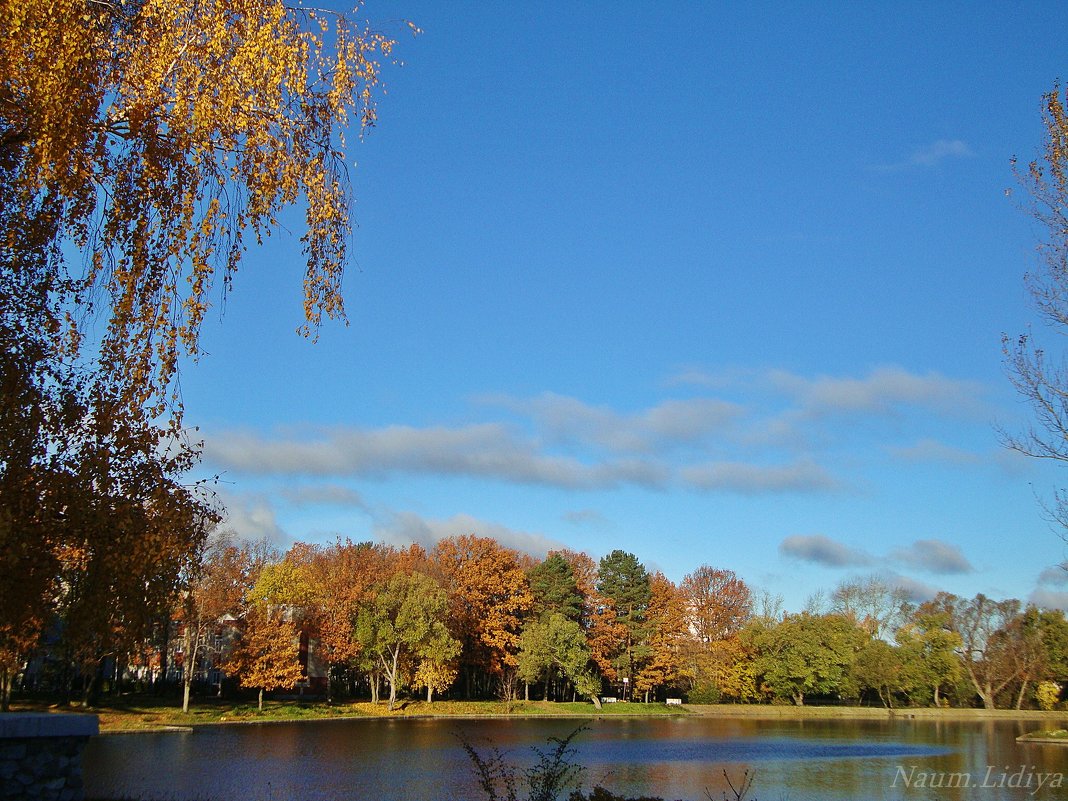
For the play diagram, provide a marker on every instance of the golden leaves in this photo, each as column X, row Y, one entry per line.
column 168, row 131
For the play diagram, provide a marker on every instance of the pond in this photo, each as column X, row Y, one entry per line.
column 676, row 758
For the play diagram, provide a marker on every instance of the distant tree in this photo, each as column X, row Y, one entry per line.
column 873, row 603
column 928, row 649
column 215, row 588
column 488, row 596
column 806, row 654
column 987, row 644
column 267, row 654
column 436, row 674
column 403, row 626
column 623, row 583
column 668, row 632
column 719, row 603
column 556, row 643
column 878, row 667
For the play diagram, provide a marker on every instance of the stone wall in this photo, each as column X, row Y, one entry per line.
column 41, row 755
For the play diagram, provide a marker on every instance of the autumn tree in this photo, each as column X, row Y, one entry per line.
column 718, row 605
column 143, row 146
column 340, row 579
column 267, row 654
column 878, row 666
column 404, row 626
column 668, row 631
column 215, row 588
column 157, row 138
column 488, row 596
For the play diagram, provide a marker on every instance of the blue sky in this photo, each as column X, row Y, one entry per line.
column 714, row 283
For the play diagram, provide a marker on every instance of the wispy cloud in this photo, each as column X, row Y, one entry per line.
column 779, row 439
column 822, row 550
column 883, row 391
column 754, row 478
column 915, row 591
column 323, row 495
column 931, row 450
column 1056, row 576
column 930, row 155
column 931, row 556
column 669, row 424
column 585, row 517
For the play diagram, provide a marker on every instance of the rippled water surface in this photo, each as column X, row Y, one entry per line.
column 677, row 758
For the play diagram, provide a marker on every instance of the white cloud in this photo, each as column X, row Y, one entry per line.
column 822, row 550
column 252, row 517
column 934, row 556
column 916, row 591
column 1049, row 599
column 403, row 528
column 779, row 441
column 488, row 450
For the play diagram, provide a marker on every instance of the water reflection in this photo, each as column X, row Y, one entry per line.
column 821, row 760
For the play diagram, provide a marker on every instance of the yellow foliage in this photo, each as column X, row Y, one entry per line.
column 164, row 133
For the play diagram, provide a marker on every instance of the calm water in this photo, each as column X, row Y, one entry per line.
column 677, row 758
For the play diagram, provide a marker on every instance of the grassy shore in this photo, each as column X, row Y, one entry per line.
column 145, row 713
column 152, row 714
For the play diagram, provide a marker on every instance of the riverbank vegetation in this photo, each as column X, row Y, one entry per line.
column 350, row 623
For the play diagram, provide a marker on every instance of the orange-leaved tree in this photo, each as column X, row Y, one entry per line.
column 488, row 595
column 267, row 654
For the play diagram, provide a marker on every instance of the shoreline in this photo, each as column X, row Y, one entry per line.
column 172, row 721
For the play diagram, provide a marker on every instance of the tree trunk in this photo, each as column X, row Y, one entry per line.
column 6, row 680
column 799, row 699
column 596, row 701
column 526, row 690
column 163, row 657
column 261, row 699
column 937, row 699
column 1020, row 697
column 987, row 694
column 187, row 674
column 429, row 694
column 392, row 677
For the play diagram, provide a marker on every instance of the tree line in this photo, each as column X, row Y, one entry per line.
column 475, row 619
